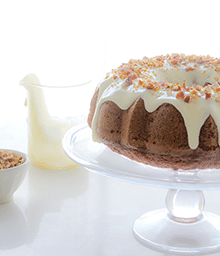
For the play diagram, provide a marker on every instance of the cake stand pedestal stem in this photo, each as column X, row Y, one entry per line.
column 185, row 206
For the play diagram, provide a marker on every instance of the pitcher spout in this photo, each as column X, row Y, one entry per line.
column 27, row 81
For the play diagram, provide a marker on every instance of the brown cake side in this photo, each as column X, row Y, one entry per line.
column 159, row 138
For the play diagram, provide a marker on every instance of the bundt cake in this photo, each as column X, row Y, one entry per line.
column 162, row 111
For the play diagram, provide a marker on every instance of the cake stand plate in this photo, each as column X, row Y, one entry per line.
column 183, row 227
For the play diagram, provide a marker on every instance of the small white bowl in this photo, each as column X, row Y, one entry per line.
column 12, row 178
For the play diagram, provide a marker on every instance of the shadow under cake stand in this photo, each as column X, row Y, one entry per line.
column 183, row 226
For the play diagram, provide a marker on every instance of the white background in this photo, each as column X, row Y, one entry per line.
column 69, row 42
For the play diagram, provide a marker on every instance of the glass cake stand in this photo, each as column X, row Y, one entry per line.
column 183, row 226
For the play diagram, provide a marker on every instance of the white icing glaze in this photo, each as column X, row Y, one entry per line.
column 194, row 113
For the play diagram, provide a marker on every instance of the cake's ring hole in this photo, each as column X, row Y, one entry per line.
column 178, row 75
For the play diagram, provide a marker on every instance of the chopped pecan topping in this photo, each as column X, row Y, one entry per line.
column 8, row 159
column 217, row 69
column 180, row 95
column 190, row 69
column 208, row 95
column 143, row 73
column 177, row 87
column 150, row 86
column 187, row 99
column 128, row 81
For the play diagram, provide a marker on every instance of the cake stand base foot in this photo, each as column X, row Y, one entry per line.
column 159, row 231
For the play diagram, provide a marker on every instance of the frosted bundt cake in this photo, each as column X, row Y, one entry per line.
column 162, row 111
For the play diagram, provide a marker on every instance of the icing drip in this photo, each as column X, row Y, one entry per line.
column 194, row 112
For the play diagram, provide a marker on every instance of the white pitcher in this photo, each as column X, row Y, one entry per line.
column 52, row 110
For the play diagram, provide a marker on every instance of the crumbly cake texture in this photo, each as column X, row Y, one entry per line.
column 160, row 138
